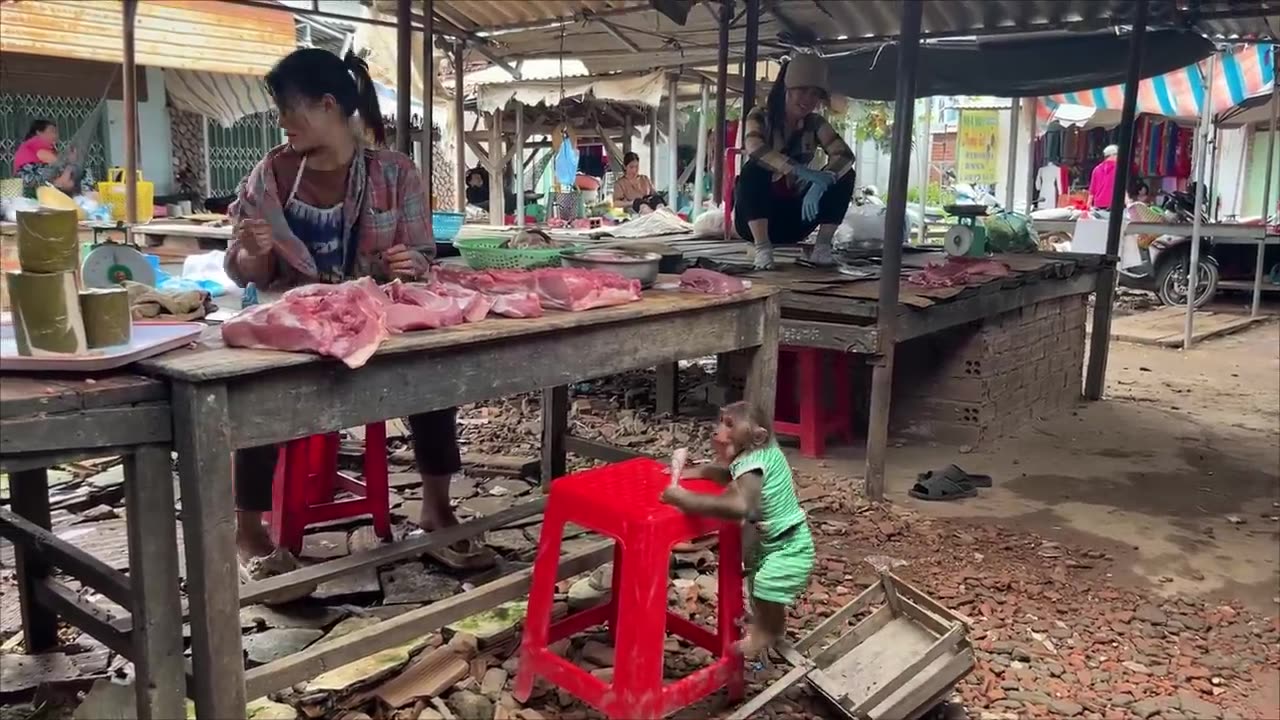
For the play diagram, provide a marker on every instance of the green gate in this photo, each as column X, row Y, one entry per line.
column 234, row 151
column 69, row 114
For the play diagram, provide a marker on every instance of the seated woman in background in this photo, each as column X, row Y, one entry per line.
column 37, row 163
column 633, row 190
column 478, row 189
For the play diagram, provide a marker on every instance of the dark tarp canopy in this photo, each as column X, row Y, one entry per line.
column 1016, row 68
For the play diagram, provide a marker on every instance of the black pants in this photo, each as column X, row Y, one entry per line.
column 435, row 450
column 754, row 198
column 653, row 201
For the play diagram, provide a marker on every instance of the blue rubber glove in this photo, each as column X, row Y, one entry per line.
column 812, row 202
column 818, row 178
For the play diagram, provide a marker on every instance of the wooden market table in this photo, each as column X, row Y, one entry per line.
column 226, row 398
column 48, row 420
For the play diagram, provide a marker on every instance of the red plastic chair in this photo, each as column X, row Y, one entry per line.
column 622, row 501
column 804, row 412
column 307, row 478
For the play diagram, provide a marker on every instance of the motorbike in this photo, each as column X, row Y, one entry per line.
column 1166, row 259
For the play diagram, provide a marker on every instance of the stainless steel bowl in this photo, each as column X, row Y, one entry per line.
column 642, row 266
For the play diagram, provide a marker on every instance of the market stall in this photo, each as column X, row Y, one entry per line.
column 226, row 398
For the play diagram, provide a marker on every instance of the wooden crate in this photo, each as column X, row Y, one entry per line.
column 897, row 663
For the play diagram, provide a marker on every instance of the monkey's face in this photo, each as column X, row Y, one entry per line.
column 735, row 435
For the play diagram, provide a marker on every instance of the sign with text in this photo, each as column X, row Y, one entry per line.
column 976, row 142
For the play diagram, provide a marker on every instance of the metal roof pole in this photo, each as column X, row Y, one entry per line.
column 924, row 151
column 459, row 120
column 749, row 55
column 1015, row 112
column 517, row 165
column 653, row 146
column 673, row 144
column 130, row 97
column 1267, row 206
column 1096, row 373
column 1205, row 136
column 700, row 159
column 904, row 107
column 404, row 76
column 720, row 157
column 429, row 127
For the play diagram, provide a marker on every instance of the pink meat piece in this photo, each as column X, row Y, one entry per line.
column 418, row 306
column 475, row 305
column 710, row 282
column 345, row 321
column 570, row 289
column 516, row 304
column 958, row 271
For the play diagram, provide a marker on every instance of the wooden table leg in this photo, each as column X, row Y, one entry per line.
column 153, row 579
column 203, row 440
column 668, row 389
column 555, row 425
column 762, row 371
column 29, row 493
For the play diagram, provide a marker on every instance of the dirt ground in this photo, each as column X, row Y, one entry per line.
column 1175, row 476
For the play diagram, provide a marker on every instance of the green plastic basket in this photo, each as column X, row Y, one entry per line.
column 484, row 253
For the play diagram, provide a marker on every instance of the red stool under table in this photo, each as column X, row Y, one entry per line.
column 622, row 501
column 803, row 411
column 307, row 477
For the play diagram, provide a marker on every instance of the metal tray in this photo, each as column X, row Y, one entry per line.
column 149, row 339
column 897, row 663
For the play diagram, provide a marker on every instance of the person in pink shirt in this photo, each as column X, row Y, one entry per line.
column 1102, row 182
column 37, row 163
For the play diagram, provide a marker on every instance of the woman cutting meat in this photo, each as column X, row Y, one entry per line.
column 324, row 208
column 778, row 199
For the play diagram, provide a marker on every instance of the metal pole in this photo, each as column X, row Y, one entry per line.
column 673, row 147
column 1015, row 110
column 208, row 166
column 700, row 169
column 653, row 146
column 517, row 165
column 925, row 150
column 130, row 93
column 1029, row 110
column 428, row 97
column 1267, row 206
column 460, row 130
column 404, row 76
column 750, row 52
column 627, row 132
column 722, row 90
column 497, row 188
column 1204, row 132
column 904, row 104
column 1100, row 340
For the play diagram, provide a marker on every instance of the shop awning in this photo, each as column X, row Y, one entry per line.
column 1239, row 74
column 221, row 97
column 645, row 89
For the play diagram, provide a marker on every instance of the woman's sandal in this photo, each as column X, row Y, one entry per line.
column 948, row 483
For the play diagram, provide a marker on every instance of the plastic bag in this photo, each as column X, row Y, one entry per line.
column 863, row 229
column 1010, row 232
column 205, row 271
column 566, row 164
column 710, row 223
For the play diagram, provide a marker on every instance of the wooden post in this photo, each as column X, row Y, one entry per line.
column 1015, row 113
column 750, row 52
column 673, row 145
column 891, row 260
column 130, row 94
column 653, row 146
column 700, row 160
column 925, row 149
column 627, row 132
column 719, row 155
column 555, row 425
column 517, row 165
column 1100, row 339
column 404, row 76
column 428, row 127
column 460, row 148
column 1205, row 132
column 208, row 166
column 29, row 492
column 497, row 194
column 667, row 389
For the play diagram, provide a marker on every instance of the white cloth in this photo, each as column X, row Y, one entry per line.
column 1048, row 180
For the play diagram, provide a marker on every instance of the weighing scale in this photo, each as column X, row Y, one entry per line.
column 110, row 263
column 968, row 236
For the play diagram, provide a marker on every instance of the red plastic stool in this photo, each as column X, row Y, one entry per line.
column 621, row 501
column 807, row 414
column 307, row 477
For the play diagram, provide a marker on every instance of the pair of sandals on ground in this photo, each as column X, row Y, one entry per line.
column 948, row 483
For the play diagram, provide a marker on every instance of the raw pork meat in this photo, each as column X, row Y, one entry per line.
column 417, row 306
column 710, row 282
column 958, row 271
column 346, row 321
column 570, row 289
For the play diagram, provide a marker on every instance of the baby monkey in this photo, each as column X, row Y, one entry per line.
column 760, row 493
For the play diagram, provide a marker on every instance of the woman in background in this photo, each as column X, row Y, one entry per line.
column 326, row 208
column 37, row 163
column 633, row 190
column 778, row 199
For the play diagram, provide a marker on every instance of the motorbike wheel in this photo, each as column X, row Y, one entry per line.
column 1171, row 280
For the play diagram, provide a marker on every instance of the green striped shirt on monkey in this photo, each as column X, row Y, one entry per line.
column 779, row 507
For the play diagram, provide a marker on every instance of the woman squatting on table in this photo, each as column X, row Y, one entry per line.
column 324, row 207
column 778, row 198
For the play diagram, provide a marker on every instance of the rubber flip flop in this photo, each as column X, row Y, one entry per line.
column 955, row 474
column 475, row 557
column 938, row 488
